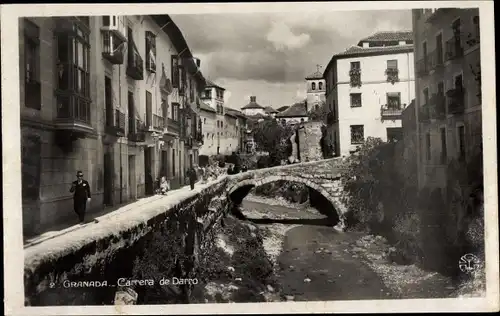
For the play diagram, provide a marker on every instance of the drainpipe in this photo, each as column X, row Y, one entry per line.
column 120, row 102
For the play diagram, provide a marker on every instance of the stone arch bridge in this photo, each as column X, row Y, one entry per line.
column 323, row 176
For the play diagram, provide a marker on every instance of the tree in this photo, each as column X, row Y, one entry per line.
column 320, row 113
column 274, row 138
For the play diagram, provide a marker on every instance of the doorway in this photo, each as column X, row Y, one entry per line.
column 132, row 192
column 149, row 182
column 164, row 164
column 108, row 179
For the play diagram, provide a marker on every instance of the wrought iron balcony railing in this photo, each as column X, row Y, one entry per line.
column 136, row 131
column 423, row 66
column 158, row 122
column 391, row 111
column 436, row 59
column 135, row 66
column 112, row 47
column 438, row 103
column 454, row 48
column 392, row 75
column 456, row 100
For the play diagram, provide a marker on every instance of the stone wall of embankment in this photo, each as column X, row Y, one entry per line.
column 82, row 267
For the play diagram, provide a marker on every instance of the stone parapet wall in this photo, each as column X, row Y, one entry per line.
column 309, row 141
column 105, row 251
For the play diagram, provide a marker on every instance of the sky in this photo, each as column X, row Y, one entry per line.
column 269, row 54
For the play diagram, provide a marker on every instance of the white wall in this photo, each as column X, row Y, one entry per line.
column 253, row 111
column 373, row 94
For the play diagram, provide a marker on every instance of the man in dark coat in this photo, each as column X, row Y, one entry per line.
column 192, row 177
column 81, row 195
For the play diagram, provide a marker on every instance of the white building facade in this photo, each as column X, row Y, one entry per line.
column 368, row 86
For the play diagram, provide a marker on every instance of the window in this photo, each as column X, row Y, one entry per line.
column 321, row 86
column 428, row 146
column 108, row 101
column 392, row 64
column 150, row 51
column 205, row 121
column 131, row 113
column 149, row 108
column 164, row 108
column 394, row 100
column 313, row 86
column 73, row 72
column 440, row 89
column 217, row 124
column 191, row 89
column 355, row 65
column 175, row 111
column 208, row 93
column 424, row 50
column 461, row 142
column 221, row 124
column 443, row 145
column 394, row 134
column 175, row 71
column 32, row 89
column 458, row 82
column 356, row 100
column 475, row 21
column 439, row 49
column 426, row 96
column 357, row 134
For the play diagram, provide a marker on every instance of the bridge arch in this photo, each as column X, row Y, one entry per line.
column 240, row 190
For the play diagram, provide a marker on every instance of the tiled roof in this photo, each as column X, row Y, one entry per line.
column 206, row 107
column 212, row 84
column 296, row 110
column 357, row 51
column 281, row 109
column 252, row 105
column 270, row 109
column 316, row 75
column 389, row 37
column 234, row 112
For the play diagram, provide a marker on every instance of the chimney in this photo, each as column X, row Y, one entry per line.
column 253, row 99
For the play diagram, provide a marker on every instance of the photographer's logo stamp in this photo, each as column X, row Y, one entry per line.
column 469, row 263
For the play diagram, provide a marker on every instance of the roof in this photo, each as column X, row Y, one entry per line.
column 270, row 109
column 253, row 105
column 316, row 75
column 234, row 112
column 389, row 36
column 206, row 107
column 210, row 84
column 256, row 116
column 175, row 35
column 357, row 51
column 280, row 109
column 296, row 110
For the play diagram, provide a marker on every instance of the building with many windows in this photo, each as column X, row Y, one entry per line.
column 368, row 86
column 112, row 96
column 448, row 90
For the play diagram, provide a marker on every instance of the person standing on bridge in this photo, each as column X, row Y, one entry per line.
column 81, row 195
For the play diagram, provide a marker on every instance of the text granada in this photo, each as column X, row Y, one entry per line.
column 68, row 284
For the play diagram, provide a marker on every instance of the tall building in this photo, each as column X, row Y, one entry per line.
column 448, row 90
column 316, row 88
column 213, row 95
column 208, row 121
column 368, row 86
column 112, row 96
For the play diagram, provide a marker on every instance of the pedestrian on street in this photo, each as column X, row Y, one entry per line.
column 81, row 195
column 192, row 177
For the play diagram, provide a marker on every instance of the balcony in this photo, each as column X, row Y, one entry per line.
column 391, row 112
column 199, row 138
column 473, row 39
column 436, row 60
column 456, row 100
column 135, row 67
column 438, row 103
column 73, row 113
column 116, row 126
column 424, row 114
column 423, row 67
column 112, row 48
column 158, row 122
column 173, row 126
column 454, row 49
column 355, row 77
column 136, row 131
column 392, row 75
column 115, row 25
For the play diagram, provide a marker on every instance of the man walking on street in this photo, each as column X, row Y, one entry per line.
column 81, row 196
column 192, row 177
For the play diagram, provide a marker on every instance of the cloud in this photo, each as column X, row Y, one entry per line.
column 283, row 38
column 270, row 54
